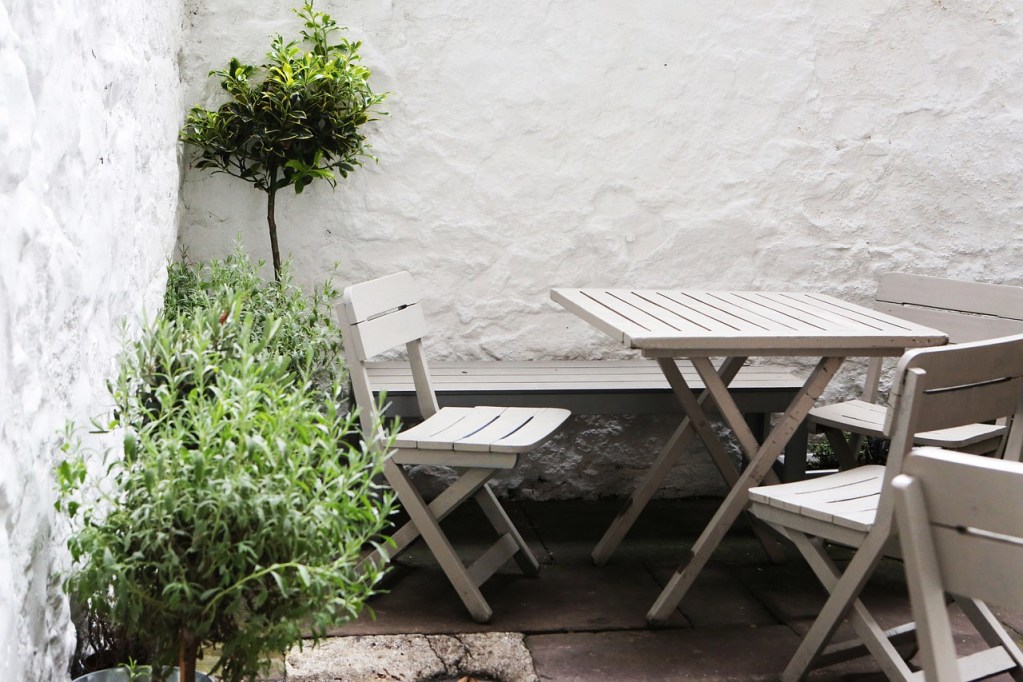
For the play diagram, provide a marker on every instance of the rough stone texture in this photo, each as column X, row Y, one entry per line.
column 498, row 656
column 89, row 106
column 802, row 144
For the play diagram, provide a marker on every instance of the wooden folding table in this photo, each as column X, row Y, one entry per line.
column 734, row 326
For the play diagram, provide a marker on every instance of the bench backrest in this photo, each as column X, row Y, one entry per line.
column 966, row 311
column 378, row 316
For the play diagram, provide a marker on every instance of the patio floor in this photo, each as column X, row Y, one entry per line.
column 741, row 621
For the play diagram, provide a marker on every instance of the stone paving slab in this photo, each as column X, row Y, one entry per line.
column 498, row 656
column 741, row 653
column 717, row 599
column 575, row 597
column 742, row 620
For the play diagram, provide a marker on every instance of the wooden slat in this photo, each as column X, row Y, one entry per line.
column 990, row 498
column 958, row 437
column 937, row 292
column 441, row 421
column 625, row 304
column 959, row 327
column 856, row 415
column 730, row 312
column 847, row 498
column 491, row 560
column 866, row 316
column 960, row 555
column 483, row 459
column 595, row 375
column 983, row 664
column 389, row 331
column 472, row 421
column 957, row 407
column 600, row 316
column 369, row 299
column 590, row 387
column 831, row 314
column 972, row 362
column 650, row 313
column 506, row 421
column 799, row 315
column 484, row 429
column 690, row 313
column 539, row 429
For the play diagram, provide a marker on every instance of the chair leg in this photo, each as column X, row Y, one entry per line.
column 438, row 543
column 843, row 449
column 844, row 589
column 498, row 518
column 992, row 631
column 442, row 505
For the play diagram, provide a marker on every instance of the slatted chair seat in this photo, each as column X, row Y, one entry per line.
column 478, row 442
column 846, row 499
column 966, row 311
column 868, row 419
column 933, row 388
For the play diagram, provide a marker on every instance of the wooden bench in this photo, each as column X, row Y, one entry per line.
column 593, row 387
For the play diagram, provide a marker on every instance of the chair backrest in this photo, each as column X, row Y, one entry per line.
column 961, row 530
column 948, row 386
column 378, row 316
column 966, row 311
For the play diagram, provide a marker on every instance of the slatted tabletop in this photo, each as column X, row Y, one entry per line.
column 661, row 322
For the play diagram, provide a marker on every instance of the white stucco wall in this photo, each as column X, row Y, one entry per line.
column 796, row 144
column 90, row 102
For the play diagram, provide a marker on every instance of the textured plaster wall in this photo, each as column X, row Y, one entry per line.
column 795, row 144
column 90, row 101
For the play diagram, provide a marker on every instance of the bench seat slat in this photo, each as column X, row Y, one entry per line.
column 595, row 375
column 604, row 387
column 585, row 387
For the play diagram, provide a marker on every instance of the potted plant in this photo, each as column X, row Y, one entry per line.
column 293, row 120
column 234, row 514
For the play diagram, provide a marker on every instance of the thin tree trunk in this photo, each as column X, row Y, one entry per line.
column 188, row 652
column 274, row 250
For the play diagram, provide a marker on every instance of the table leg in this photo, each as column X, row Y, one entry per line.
column 717, row 387
column 738, row 496
column 676, row 446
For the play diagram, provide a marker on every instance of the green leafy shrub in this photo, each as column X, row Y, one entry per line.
column 294, row 120
column 237, row 510
column 307, row 332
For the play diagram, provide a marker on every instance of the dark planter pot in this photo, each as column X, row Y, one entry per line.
column 121, row 675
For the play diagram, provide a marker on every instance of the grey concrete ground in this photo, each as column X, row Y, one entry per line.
column 741, row 621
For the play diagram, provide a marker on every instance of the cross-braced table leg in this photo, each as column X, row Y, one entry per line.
column 669, row 456
column 701, row 422
column 755, row 472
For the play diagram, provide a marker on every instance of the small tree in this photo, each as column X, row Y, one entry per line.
column 295, row 119
column 235, row 515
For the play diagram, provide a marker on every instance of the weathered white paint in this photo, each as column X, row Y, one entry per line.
column 90, row 102
column 801, row 144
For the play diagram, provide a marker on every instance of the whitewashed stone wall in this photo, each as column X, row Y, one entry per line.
column 796, row 144
column 90, row 102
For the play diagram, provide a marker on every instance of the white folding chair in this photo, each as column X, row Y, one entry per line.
column 933, row 388
column 966, row 311
column 385, row 313
column 960, row 524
